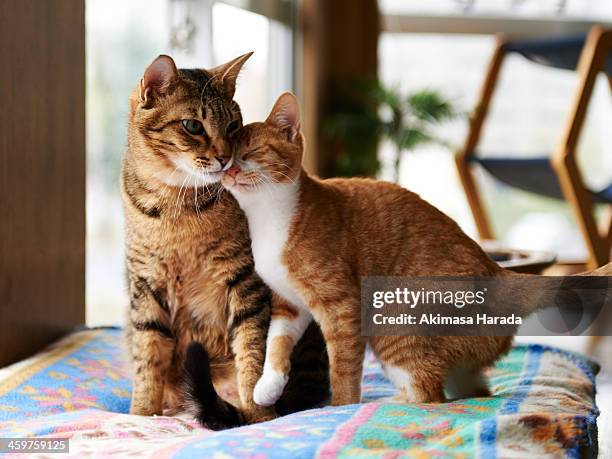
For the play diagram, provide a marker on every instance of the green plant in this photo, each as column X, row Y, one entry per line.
column 370, row 112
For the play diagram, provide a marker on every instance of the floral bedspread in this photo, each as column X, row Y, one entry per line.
column 543, row 405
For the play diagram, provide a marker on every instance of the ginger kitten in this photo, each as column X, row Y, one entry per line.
column 189, row 264
column 312, row 242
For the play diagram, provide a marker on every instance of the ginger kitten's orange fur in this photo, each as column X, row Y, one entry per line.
column 314, row 239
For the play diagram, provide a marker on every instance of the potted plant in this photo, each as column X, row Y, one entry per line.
column 370, row 112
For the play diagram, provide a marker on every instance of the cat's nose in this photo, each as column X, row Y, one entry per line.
column 233, row 171
column 222, row 161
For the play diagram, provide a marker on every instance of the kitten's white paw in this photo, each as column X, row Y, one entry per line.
column 269, row 388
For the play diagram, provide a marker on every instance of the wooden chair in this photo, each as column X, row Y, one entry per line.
column 555, row 175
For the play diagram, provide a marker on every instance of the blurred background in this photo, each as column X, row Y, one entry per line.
column 392, row 48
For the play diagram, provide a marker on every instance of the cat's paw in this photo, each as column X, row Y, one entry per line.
column 141, row 409
column 269, row 388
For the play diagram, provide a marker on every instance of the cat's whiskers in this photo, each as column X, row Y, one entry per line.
column 285, row 175
column 202, row 174
column 289, row 169
column 174, row 215
column 185, row 189
column 255, row 184
column 195, row 195
column 172, row 174
column 218, row 195
column 178, row 198
column 197, row 175
column 211, row 195
column 284, row 165
column 267, row 186
column 167, row 187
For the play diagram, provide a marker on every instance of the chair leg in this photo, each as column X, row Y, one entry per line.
column 606, row 228
column 472, row 193
column 598, row 327
column 593, row 343
column 607, row 221
column 462, row 158
column 592, row 59
column 580, row 201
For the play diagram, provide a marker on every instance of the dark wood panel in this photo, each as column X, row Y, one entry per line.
column 339, row 45
column 42, row 173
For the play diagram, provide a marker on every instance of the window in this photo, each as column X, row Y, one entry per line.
column 526, row 118
column 271, row 71
column 122, row 39
column 600, row 10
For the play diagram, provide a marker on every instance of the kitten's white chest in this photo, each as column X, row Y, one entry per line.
column 269, row 213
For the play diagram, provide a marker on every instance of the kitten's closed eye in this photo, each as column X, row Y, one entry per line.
column 246, row 155
column 250, row 153
column 193, row 127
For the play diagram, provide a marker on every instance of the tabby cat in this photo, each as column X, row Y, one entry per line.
column 312, row 242
column 193, row 290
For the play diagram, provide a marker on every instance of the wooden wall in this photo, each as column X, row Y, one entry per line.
column 42, row 173
column 339, row 43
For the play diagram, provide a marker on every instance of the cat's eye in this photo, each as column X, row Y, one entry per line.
column 249, row 154
column 233, row 127
column 193, row 127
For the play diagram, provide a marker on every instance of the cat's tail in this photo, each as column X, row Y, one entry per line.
column 528, row 297
column 201, row 399
column 605, row 270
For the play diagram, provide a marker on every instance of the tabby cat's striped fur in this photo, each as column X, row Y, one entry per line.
column 189, row 264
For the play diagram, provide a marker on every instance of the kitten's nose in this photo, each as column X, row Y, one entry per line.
column 222, row 161
column 233, row 171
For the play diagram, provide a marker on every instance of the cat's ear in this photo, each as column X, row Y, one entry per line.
column 285, row 115
column 225, row 75
column 157, row 79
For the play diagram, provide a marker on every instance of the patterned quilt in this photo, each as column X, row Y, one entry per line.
column 543, row 405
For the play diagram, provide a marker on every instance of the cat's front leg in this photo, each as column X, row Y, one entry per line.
column 287, row 326
column 249, row 301
column 151, row 345
column 341, row 328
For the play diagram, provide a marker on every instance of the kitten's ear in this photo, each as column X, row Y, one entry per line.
column 285, row 115
column 226, row 74
column 157, row 79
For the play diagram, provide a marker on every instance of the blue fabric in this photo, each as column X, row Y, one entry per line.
column 542, row 402
column 557, row 52
column 534, row 175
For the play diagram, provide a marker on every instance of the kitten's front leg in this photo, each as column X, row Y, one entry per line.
column 151, row 344
column 341, row 328
column 249, row 300
column 287, row 326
